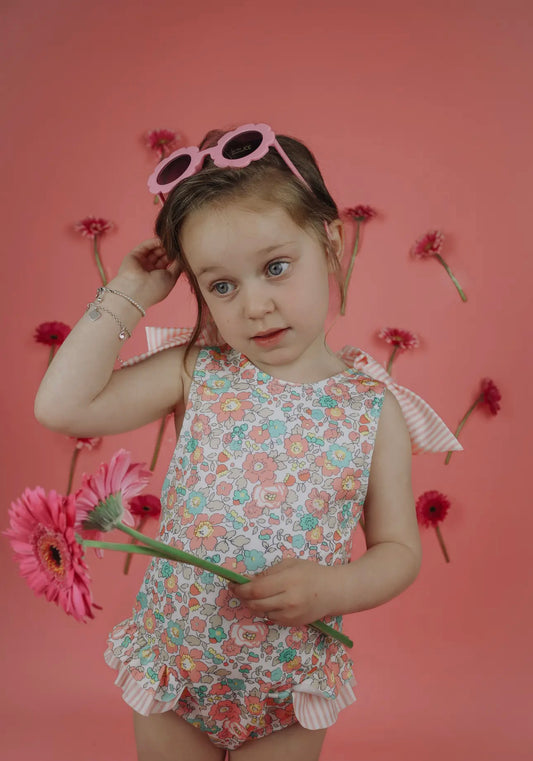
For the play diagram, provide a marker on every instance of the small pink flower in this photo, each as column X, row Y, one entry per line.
column 347, row 483
column 92, row 227
column 248, row 632
column 360, row 213
column 429, row 244
column 259, row 467
column 42, row 535
column 401, row 340
column 271, row 496
column 318, row 503
column 163, row 141
column 232, row 406
column 88, row 444
column 205, row 531
column 296, row 446
column 51, row 333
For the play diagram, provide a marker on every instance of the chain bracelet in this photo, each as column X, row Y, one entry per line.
column 95, row 312
column 104, row 289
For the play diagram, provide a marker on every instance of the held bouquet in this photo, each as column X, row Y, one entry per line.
column 45, row 536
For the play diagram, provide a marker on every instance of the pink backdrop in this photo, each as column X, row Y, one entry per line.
column 421, row 109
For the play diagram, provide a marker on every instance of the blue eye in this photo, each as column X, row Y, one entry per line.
column 277, row 268
column 222, row 288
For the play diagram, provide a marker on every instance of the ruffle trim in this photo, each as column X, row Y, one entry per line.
column 311, row 708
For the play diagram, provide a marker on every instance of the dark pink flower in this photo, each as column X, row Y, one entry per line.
column 400, row 339
column 359, row 213
column 429, row 244
column 491, row 395
column 431, row 508
column 145, row 505
column 51, row 333
column 49, row 557
column 91, row 227
column 163, row 141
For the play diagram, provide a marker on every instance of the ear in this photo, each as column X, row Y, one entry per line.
column 336, row 237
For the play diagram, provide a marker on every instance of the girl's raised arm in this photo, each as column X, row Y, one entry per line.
column 81, row 395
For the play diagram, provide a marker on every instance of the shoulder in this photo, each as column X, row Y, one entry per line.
column 392, row 438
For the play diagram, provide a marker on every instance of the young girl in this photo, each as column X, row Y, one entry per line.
column 281, row 445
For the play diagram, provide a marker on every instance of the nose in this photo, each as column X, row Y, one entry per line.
column 257, row 301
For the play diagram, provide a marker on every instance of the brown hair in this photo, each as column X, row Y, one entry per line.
column 269, row 179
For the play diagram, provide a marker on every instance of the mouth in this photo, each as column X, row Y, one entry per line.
column 269, row 337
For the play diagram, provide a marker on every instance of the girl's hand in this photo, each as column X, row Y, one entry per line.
column 292, row 593
column 147, row 274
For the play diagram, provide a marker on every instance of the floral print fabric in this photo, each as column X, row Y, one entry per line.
column 263, row 470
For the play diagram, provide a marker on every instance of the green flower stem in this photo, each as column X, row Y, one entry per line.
column 98, row 261
column 442, row 545
column 127, row 562
column 158, row 442
column 391, row 359
column 450, row 273
column 461, row 424
column 349, row 270
column 73, row 461
column 51, row 355
column 117, row 547
column 158, row 549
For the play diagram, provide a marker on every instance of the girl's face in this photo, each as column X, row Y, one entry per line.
column 265, row 283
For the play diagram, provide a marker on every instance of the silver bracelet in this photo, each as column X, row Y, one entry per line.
column 103, row 289
column 95, row 312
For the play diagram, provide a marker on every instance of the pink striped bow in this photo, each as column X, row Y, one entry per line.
column 428, row 432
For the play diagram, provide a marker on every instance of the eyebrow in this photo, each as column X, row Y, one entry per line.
column 261, row 252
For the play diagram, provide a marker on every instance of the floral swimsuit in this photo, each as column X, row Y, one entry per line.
column 263, row 469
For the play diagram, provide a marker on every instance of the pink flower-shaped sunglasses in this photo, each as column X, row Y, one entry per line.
column 235, row 149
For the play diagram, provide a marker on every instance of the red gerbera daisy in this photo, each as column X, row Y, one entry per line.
column 142, row 507
column 431, row 509
column 401, row 340
column 145, row 506
column 489, row 395
column 358, row 214
column 51, row 333
column 430, row 245
column 49, row 557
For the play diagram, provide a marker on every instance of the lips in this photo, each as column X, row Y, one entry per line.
column 269, row 337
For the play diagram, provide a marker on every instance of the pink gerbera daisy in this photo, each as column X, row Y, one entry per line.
column 162, row 141
column 91, row 227
column 49, row 557
column 401, row 340
column 145, row 506
column 100, row 501
column 360, row 213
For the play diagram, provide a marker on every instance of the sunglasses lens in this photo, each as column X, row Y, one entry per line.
column 173, row 170
column 242, row 145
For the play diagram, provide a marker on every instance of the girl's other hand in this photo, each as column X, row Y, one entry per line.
column 147, row 274
column 292, row 592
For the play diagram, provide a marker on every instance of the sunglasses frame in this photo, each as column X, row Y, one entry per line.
column 216, row 152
